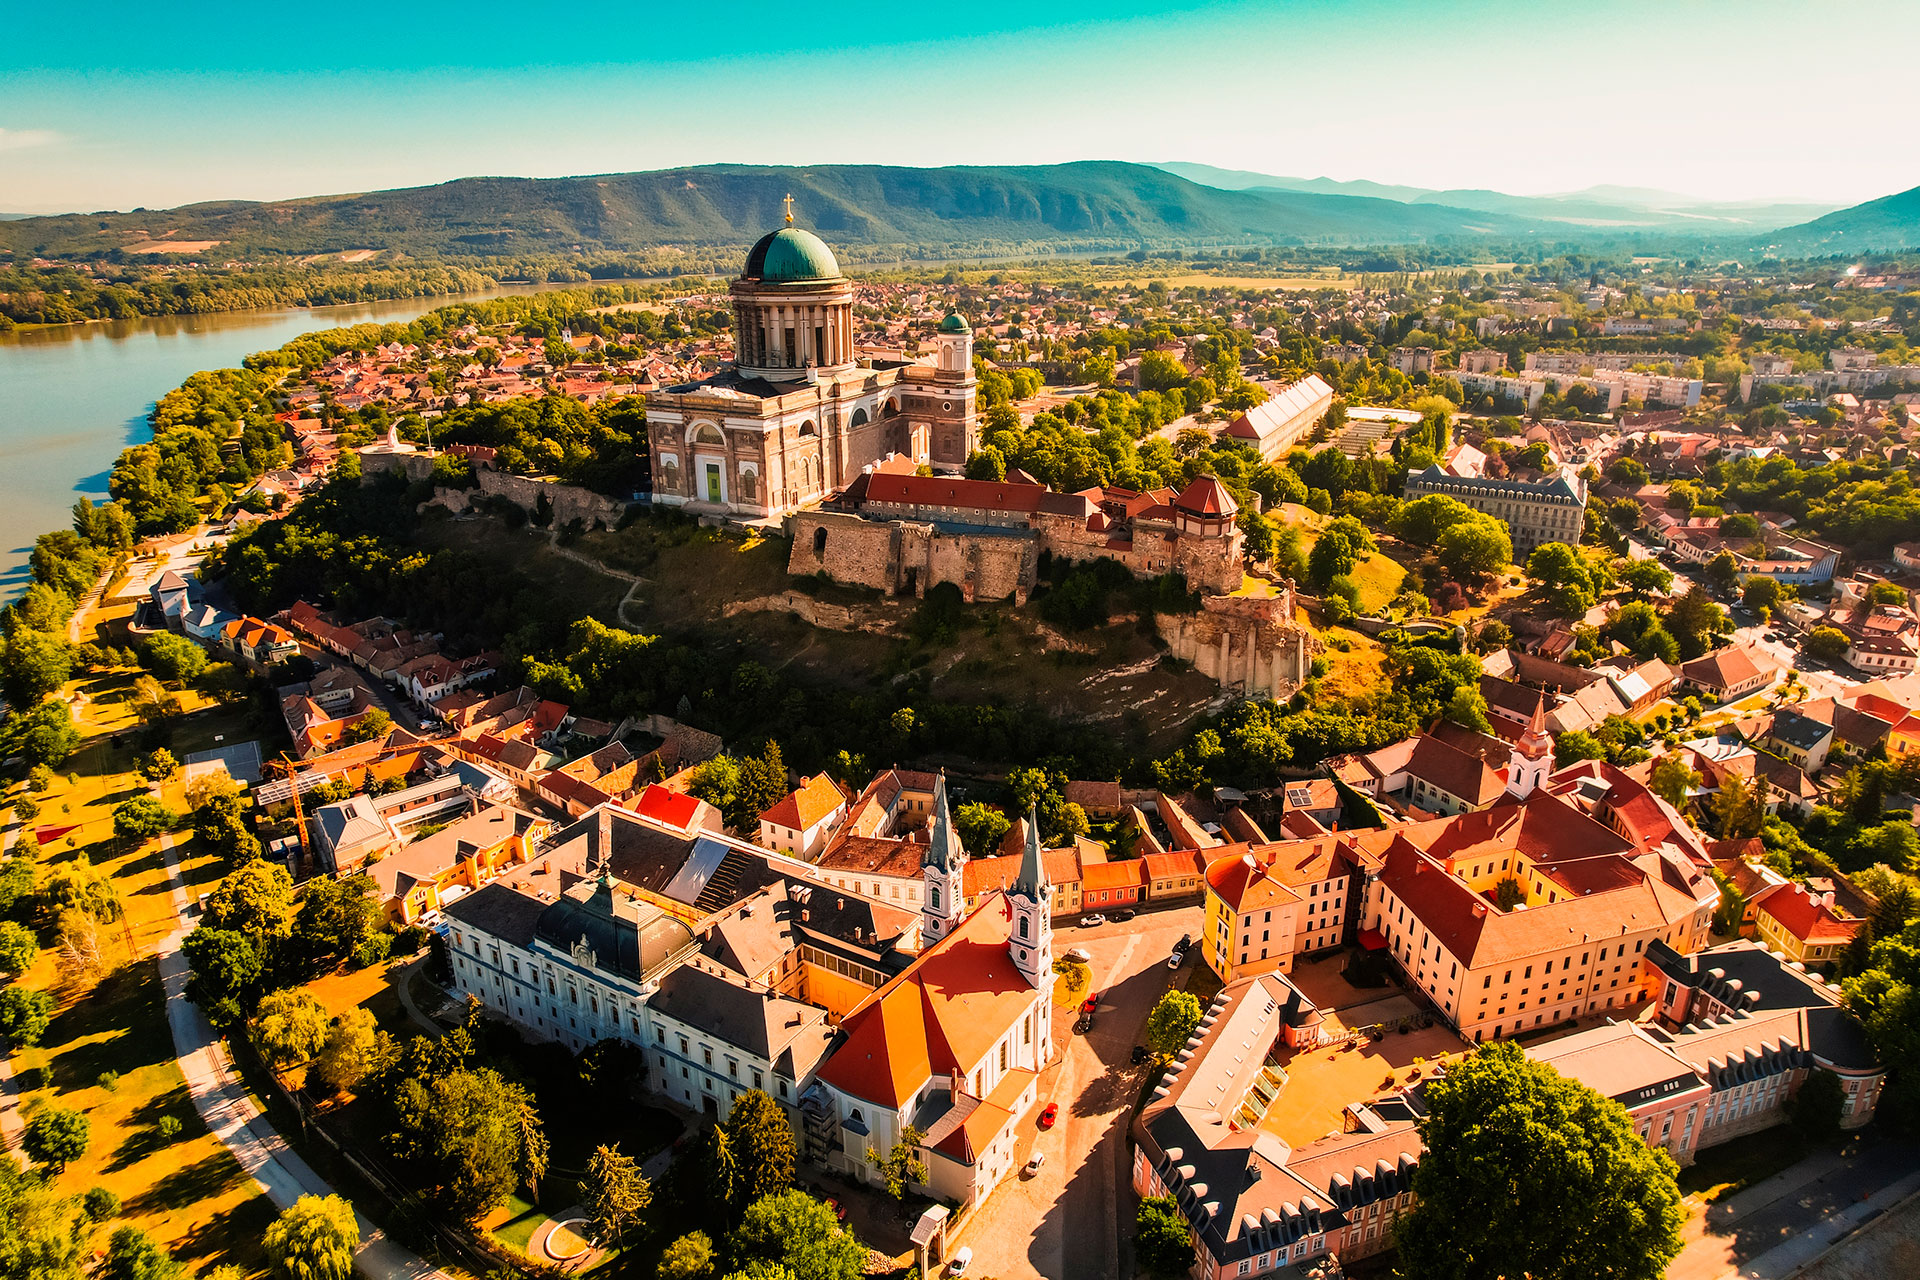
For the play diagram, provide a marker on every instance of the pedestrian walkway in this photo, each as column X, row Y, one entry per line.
column 1785, row 1260
column 230, row 1114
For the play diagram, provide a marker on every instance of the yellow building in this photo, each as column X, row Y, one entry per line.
column 1268, row 903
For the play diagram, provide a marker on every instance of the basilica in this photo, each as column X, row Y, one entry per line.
column 798, row 415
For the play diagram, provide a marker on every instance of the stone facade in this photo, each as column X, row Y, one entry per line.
column 797, row 417
column 569, row 502
column 906, row 557
column 1249, row 644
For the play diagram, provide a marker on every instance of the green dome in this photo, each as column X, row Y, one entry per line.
column 791, row 255
column 954, row 324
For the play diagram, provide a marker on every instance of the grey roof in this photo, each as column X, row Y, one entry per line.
column 943, row 848
column 1032, row 880
column 496, row 909
column 1560, row 486
column 632, row 938
column 1798, row 730
column 786, row 1033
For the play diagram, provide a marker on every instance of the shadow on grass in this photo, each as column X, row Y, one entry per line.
column 144, row 1138
column 232, row 1235
column 118, row 1027
column 212, row 1175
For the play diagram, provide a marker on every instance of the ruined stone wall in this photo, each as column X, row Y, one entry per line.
column 846, row 548
column 1249, row 644
column 982, row 566
column 570, row 502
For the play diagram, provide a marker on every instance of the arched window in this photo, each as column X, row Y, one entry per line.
column 706, row 433
column 859, row 418
column 820, row 541
column 808, row 429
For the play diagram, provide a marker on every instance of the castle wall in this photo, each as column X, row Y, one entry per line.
column 570, row 502
column 1246, row 643
column 908, row 556
column 848, row 549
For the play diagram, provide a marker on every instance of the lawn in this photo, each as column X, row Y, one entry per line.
column 187, row 1192
column 1356, row 673
column 1732, row 1166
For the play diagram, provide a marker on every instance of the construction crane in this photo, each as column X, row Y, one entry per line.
column 288, row 767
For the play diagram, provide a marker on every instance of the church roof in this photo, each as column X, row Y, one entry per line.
column 791, row 255
column 953, row 323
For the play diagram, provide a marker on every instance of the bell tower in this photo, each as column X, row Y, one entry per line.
column 1030, row 939
column 1532, row 756
column 943, row 869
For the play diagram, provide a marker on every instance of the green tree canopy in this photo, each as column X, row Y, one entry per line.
column 175, row 659
column 1162, row 1239
column 56, row 1136
column 1172, row 1021
column 796, row 1231
column 763, row 1145
column 314, row 1239
column 1527, row 1173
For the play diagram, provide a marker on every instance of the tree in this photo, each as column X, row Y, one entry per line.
column 1645, row 576
column 980, row 827
column 1172, row 1023
column 289, row 1028
column 172, row 658
column 615, row 1193
column 1594, row 1198
column 1422, row 521
column 1563, row 577
column 142, row 818
column 1576, row 745
column 18, row 947
column 256, row 900
column 1696, row 621
column 470, row 1130
column 762, row 1145
column 1826, row 643
column 1739, row 808
column 901, row 1166
column 1816, row 1110
column 372, row 726
column 1076, row 979
column 1476, row 549
column 47, row 734
column 56, row 1136
column 1340, row 547
column 1162, row 1240
column 1468, row 709
column 354, row 1049
column 688, row 1258
column 133, row 1255
column 795, row 1231
column 1723, row 571
column 1672, row 780
column 33, row 665
column 227, row 970
column 335, row 918
column 313, row 1240
column 158, row 765
column 1627, row 471
column 1761, row 593
column 25, row 1014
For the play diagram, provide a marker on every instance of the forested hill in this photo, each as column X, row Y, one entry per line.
column 1092, row 204
column 1890, row 224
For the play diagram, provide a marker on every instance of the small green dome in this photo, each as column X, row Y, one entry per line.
column 791, row 255
column 954, row 324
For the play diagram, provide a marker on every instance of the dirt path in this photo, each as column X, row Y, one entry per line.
column 634, row 581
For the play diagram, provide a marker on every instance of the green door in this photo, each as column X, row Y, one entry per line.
column 713, row 482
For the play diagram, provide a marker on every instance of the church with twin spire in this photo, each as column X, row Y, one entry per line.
column 954, row 1045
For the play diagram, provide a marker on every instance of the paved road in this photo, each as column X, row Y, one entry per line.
column 1070, row 1221
column 1774, row 1227
column 223, row 1103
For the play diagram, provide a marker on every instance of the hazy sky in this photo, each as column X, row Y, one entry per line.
column 114, row 105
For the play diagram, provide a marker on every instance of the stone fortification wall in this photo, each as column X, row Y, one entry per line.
column 570, row 502
column 907, row 557
column 1250, row 644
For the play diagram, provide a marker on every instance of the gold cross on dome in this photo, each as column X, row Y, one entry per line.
column 789, row 210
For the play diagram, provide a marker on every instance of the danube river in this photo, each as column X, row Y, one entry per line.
column 72, row 397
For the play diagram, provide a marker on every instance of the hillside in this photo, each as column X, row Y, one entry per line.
column 1623, row 208
column 1091, row 204
column 1889, row 224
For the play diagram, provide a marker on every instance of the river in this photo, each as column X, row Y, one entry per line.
column 72, row 397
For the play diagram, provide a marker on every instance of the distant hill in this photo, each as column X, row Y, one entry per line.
column 1887, row 225
column 1623, row 208
column 1089, row 204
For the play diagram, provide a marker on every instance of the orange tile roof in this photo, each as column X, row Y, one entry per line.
column 1112, row 875
column 806, row 806
column 1797, row 912
column 941, row 1014
column 1243, row 883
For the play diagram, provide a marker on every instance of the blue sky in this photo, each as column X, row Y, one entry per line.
column 111, row 105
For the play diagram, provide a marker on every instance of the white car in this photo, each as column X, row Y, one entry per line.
column 962, row 1259
column 1088, row 922
column 1033, row 1165
column 1080, row 954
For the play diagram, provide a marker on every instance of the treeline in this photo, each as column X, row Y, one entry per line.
column 67, row 295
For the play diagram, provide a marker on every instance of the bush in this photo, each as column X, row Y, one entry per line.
column 410, row 939
column 99, row 1204
column 25, row 1015
column 109, row 1080
column 167, row 1128
column 373, row 949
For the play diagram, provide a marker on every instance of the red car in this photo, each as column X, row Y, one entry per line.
column 1049, row 1114
column 1090, row 1003
column 839, row 1210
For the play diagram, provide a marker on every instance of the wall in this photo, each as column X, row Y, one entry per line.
column 902, row 556
column 570, row 502
column 1250, row 643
